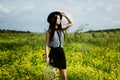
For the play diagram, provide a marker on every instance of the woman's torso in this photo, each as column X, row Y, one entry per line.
column 57, row 40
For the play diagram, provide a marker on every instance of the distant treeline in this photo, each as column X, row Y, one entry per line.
column 16, row 31
column 107, row 30
column 13, row 31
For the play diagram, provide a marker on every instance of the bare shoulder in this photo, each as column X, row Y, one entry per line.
column 47, row 33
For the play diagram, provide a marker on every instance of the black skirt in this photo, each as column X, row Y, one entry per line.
column 57, row 58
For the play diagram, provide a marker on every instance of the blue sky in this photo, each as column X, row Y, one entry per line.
column 31, row 15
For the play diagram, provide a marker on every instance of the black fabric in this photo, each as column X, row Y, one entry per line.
column 57, row 58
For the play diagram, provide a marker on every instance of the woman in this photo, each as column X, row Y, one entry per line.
column 55, row 39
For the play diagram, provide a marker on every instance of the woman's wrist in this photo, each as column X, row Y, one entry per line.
column 65, row 16
column 46, row 55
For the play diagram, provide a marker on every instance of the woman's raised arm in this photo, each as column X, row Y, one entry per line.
column 70, row 22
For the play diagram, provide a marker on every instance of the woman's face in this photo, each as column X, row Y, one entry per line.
column 58, row 20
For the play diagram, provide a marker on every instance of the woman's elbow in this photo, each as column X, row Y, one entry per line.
column 71, row 23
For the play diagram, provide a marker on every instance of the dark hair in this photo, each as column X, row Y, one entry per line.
column 52, row 18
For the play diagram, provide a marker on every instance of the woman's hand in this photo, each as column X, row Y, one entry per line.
column 47, row 59
column 63, row 14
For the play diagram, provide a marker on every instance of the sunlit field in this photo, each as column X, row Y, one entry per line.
column 90, row 56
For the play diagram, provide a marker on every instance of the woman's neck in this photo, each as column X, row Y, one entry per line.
column 56, row 27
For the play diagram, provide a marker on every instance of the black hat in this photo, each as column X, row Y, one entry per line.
column 52, row 15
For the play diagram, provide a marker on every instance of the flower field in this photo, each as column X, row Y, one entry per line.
column 90, row 56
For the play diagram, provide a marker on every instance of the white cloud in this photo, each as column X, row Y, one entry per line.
column 112, row 6
column 69, row 0
column 106, row 18
column 90, row 9
column 109, row 8
column 116, row 22
column 27, row 7
column 5, row 9
column 16, row 8
column 110, row 20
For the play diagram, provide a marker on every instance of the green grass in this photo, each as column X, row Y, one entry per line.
column 90, row 56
